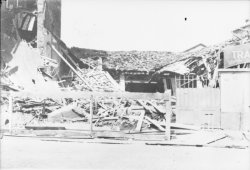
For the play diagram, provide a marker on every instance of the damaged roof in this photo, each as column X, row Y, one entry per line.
column 139, row 60
column 157, row 61
column 127, row 60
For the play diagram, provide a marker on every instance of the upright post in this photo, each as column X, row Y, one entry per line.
column 165, row 84
column 122, row 81
column 91, row 113
column 99, row 65
column 10, row 110
column 168, row 115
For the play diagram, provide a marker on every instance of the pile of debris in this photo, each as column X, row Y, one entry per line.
column 108, row 113
column 95, row 80
column 37, row 108
column 23, row 72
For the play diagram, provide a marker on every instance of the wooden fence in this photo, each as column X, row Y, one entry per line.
column 200, row 107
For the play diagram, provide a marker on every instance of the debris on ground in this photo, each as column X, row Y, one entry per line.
column 30, row 72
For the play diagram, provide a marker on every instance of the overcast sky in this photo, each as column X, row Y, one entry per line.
column 149, row 24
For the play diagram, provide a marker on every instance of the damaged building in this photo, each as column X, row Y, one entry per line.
column 116, row 90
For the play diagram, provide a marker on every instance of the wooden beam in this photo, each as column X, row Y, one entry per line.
column 141, row 81
column 173, row 83
column 165, row 84
column 99, row 66
column 140, row 120
column 87, row 95
column 154, row 122
column 234, row 70
column 158, row 109
column 70, row 66
column 184, row 79
column 91, row 114
column 144, row 105
column 122, row 81
column 10, row 112
column 168, row 117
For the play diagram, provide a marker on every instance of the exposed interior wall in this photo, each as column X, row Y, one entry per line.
column 17, row 22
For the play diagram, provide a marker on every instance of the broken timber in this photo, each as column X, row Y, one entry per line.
column 106, row 113
column 75, row 71
column 168, row 116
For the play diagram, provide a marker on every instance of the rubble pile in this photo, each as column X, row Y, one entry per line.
column 97, row 80
column 118, row 114
column 23, row 71
column 38, row 108
column 107, row 113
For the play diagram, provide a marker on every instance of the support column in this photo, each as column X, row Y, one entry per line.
column 165, row 84
column 168, row 116
column 173, row 83
column 199, row 82
column 122, row 81
column 10, row 112
column 99, row 66
column 91, row 114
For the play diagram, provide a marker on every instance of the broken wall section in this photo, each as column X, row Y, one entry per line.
column 24, row 70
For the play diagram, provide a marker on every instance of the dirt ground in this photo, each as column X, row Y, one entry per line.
column 33, row 153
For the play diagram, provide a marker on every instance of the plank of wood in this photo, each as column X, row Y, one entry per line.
column 154, row 122
column 10, row 112
column 168, row 117
column 183, row 126
column 165, row 84
column 156, row 107
column 173, row 99
column 33, row 127
column 173, row 84
column 137, row 107
column 91, row 113
column 139, row 123
column 87, row 95
column 110, row 118
column 72, row 68
column 145, row 106
column 123, row 135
